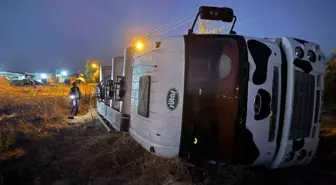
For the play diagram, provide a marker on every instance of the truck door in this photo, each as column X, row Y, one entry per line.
column 210, row 100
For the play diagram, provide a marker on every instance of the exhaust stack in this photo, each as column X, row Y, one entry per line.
column 117, row 70
column 127, row 72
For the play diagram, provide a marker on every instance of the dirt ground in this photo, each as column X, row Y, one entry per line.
column 40, row 146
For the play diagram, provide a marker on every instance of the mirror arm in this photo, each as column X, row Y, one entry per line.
column 233, row 24
column 191, row 30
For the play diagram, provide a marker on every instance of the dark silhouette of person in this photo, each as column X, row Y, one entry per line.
column 75, row 95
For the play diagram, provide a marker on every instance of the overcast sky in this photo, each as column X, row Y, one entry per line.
column 35, row 34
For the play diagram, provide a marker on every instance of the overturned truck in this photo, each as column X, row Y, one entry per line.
column 228, row 98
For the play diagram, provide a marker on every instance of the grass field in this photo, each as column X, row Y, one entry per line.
column 39, row 145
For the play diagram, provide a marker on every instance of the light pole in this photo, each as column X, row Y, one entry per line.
column 58, row 65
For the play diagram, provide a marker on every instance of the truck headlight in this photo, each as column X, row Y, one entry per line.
column 299, row 52
column 302, row 154
column 311, row 56
column 289, row 156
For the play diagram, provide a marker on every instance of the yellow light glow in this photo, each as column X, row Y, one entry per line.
column 94, row 65
column 195, row 141
column 139, row 45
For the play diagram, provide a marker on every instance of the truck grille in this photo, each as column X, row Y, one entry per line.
column 303, row 105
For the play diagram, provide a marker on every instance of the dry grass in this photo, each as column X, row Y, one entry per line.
column 41, row 146
column 46, row 146
column 328, row 131
column 86, row 155
column 116, row 159
column 27, row 114
column 10, row 154
column 7, row 138
column 46, row 91
column 328, row 126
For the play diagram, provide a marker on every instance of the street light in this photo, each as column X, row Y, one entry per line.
column 139, row 45
column 94, row 65
column 43, row 76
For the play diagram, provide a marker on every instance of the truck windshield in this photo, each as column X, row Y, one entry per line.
column 212, row 71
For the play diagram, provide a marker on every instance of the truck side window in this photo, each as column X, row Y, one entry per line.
column 143, row 96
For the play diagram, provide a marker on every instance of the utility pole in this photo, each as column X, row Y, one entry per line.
column 58, row 71
column 58, row 65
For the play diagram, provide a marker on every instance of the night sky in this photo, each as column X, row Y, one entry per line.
column 36, row 34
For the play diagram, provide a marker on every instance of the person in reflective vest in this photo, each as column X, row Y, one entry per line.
column 75, row 95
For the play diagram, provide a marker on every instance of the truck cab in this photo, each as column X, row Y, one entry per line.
column 229, row 98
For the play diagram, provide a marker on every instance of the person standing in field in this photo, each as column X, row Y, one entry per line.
column 75, row 95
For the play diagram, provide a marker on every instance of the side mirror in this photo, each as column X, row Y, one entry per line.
column 216, row 13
